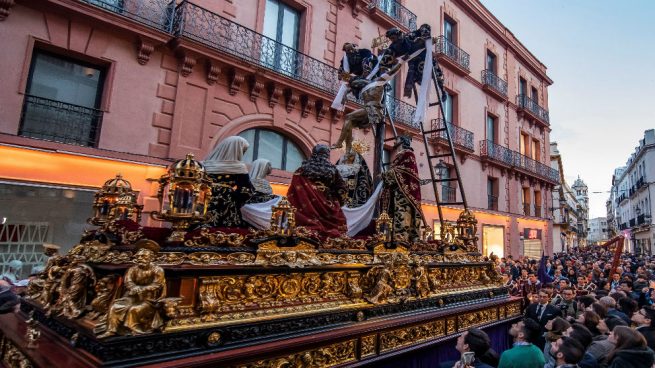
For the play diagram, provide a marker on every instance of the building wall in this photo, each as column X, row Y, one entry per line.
column 165, row 97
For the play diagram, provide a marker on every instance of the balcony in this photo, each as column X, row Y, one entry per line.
column 494, row 85
column 153, row 13
column 58, row 121
column 527, row 209
column 492, row 202
column 198, row 24
column 532, row 109
column 394, row 10
column 641, row 219
column 461, row 137
column 513, row 160
column 453, row 56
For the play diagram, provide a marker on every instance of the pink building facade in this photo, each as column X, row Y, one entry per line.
column 97, row 87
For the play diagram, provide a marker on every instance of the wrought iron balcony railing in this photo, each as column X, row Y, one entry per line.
column 154, row 13
column 494, row 82
column 526, row 103
column 201, row 25
column 492, row 202
column 460, row 136
column 527, row 209
column 396, row 11
column 514, row 159
column 57, row 121
column 454, row 53
column 448, row 193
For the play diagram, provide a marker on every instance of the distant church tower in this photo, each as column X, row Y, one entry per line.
column 582, row 196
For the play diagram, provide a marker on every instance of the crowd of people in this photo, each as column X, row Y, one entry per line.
column 579, row 311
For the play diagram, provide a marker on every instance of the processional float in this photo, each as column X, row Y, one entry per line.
column 284, row 296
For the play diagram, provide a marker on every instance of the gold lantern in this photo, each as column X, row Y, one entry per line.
column 184, row 194
column 283, row 219
column 383, row 227
column 115, row 201
column 467, row 228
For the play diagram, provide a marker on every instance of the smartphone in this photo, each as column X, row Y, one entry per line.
column 468, row 358
column 651, row 284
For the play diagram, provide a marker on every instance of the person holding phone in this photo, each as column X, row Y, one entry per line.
column 475, row 347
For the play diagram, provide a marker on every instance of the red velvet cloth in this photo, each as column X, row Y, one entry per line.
column 405, row 172
column 316, row 209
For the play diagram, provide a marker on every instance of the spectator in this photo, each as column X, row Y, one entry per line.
column 581, row 334
column 600, row 310
column 542, row 312
column 567, row 352
column 628, row 306
column 566, row 303
column 554, row 330
column 610, row 304
column 477, row 342
column 590, row 320
column 630, row 351
column 600, row 344
column 626, row 287
column 524, row 354
column 645, row 321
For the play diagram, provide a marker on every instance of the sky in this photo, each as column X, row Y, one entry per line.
column 601, row 56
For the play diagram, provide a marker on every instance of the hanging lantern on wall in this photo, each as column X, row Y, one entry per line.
column 383, row 227
column 283, row 219
column 467, row 228
column 184, row 194
column 115, row 201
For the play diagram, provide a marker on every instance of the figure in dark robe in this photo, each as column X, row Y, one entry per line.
column 416, row 40
column 317, row 191
column 401, row 197
column 231, row 186
column 359, row 61
column 355, row 173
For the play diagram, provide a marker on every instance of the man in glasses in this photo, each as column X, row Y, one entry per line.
column 566, row 303
column 645, row 321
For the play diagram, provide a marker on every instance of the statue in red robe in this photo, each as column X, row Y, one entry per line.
column 401, row 197
column 317, row 191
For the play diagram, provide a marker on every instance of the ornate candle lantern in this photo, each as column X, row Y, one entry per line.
column 115, row 201
column 283, row 219
column 383, row 227
column 467, row 228
column 184, row 194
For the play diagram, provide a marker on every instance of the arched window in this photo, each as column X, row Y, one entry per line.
column 280, row 150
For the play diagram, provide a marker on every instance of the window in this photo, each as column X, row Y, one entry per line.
column 491, row 62
column 535, row 150
column 492, row 134
column 449, row 107
column 524, row 144
column 525, row 199
column 281, row 26
column 534, row 94
column 492, row 193
column 278, row 149
column 448, row 192
column 523, row 87
column 390, row 97
column 62, row 100
column 537, row 203
column 450, row 30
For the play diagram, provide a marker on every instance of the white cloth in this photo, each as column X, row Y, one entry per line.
column 424, row 91
column 226, row 157
column 338, row 104
column 358, row 218
column 259, row 214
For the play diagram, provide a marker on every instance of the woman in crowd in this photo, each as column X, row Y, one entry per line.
column 630, row 350
column 554, row 330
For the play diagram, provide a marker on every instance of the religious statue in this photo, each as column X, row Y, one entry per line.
column 380, row 278
column 75, row 286
column 45, row 289
column 317, row 191
column 421, row 280
column 354, row 61
column 354, row 171
column 371, row 93
column 139, row 310
column 263, row 192
column 401, row 197
column 104, row 289
column 231, row 186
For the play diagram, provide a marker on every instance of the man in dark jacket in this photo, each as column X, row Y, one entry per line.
column 645, row 321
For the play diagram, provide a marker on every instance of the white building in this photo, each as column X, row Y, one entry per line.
column 580, row 191
column 635, row 190
column 598, row 232
column 567, row 209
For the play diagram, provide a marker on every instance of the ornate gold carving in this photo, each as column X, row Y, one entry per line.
column 139, row 310
column 214, row 338
column 12, row 357
column 301, row 255
column 450, row 326
column 344, row 243
column 283, row 218
column 76, row 283
column 105, row 290
column 406, row 336
column 32, row 333
column 513, row 309
column 368, row 345
column 477, row 318
column 327, row 356
column 215, row 238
